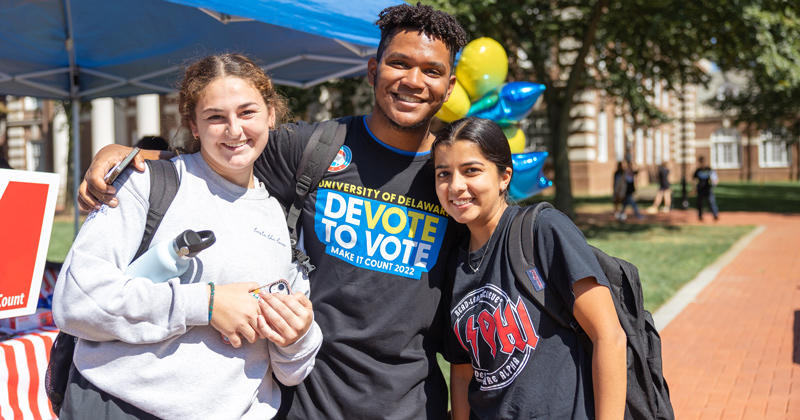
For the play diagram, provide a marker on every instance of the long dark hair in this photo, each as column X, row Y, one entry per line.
column 486, row 134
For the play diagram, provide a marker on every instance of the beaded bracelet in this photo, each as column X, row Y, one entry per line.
column 211, row 301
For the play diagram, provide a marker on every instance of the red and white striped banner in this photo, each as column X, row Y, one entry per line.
column 23, row 365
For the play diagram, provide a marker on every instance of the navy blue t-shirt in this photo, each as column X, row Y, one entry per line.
column 378, row 237
column 703, row 176
column 526, row 365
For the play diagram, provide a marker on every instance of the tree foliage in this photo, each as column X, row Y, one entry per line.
column 621, row 47
column 771, row 99
column 351, row 96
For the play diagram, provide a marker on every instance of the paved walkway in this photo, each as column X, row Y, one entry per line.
column 732, row 350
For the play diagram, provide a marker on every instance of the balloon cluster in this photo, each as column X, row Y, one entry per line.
column 481, row 91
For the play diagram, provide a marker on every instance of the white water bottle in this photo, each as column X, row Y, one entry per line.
column 168, row 259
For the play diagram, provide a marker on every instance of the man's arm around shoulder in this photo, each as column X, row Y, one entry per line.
column 94, row 191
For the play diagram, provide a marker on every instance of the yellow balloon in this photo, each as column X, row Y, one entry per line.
column 482, row 67
column 516, row 138
column 456, row 106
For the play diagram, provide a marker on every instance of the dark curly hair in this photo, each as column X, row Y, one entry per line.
column 425, row 19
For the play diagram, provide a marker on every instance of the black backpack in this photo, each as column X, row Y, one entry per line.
column 164, row 185
column 321, row 149
column 648, row 394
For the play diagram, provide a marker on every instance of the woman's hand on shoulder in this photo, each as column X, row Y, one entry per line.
column 235, row 313
column 284, row 319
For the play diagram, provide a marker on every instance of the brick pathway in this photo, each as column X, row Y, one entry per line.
column 734, row 351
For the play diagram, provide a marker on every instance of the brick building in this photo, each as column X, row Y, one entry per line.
column 601, row 135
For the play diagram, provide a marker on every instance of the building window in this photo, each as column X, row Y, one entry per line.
column 602, row 137
column 650, row 147
column 659, row 148
column 537, row 132
column 34, row 155
column 657, row 92
column 725, row 148
column 639, row 146
column 773, row 151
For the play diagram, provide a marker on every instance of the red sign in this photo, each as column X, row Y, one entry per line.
column 27, row 205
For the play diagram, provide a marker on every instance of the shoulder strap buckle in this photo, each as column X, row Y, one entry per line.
column 302, row 259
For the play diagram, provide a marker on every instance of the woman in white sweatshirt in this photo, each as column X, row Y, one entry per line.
column 156, row 350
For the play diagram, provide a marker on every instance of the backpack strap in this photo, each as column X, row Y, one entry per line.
column 164, row 185
column 323, row 146
column 523, row 263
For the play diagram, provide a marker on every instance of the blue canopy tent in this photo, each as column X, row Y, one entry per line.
column 85, row 49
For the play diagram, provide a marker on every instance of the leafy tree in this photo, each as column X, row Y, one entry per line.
column 351, row 96
column 770, row 102
column 617, row 46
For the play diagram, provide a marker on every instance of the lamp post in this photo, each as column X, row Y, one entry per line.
column 684, row 197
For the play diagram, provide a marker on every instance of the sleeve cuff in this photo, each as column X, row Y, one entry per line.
column 309, row 342
column 196, row 295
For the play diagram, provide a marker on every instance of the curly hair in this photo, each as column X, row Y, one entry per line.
column 425, row 19
column 201, row 73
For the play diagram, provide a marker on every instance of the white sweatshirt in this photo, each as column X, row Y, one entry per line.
column 150, row 344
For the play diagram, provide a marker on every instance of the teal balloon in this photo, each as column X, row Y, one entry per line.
column 528, row 179
column 507, row 103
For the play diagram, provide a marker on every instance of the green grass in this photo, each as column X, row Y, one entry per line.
column 667, row 256
column 60, row 240
column 783, row 197
column 771, row 197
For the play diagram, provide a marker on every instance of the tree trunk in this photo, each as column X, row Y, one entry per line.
column 558, row 116
column 558, row 120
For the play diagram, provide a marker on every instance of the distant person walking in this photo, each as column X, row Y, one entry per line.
column 664, row 191
column 619, row 186
column 707, row 179
column 630, row 189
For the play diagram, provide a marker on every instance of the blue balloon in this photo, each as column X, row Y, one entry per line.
column 528, row 179
column 507, row 103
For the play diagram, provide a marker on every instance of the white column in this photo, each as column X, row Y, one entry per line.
column 659, row 148
column 61, row 151
column 148, row 116
column 102, row 123
column 602, row 137
column 619, row 139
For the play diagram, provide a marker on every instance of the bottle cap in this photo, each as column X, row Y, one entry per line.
column 190, row 243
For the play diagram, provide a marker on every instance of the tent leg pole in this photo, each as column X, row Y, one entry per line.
column 76, row 158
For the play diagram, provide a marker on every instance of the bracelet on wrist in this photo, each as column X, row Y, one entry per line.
column 211, row 301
